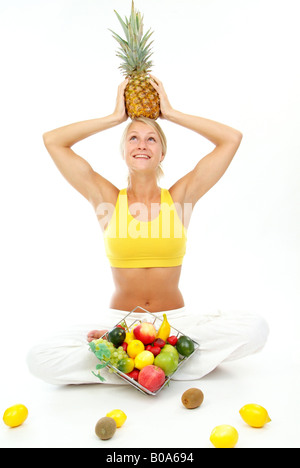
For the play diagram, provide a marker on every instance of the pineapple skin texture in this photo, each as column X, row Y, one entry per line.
column 141, row 99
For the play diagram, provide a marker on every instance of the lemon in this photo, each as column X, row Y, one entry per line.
column 224, row 436
column 118, row 415
column 255, row 415
column 143, row 359
column 15, row 416
column 134, row 348
column 129, row 337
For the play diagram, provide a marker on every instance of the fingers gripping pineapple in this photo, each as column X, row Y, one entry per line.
column 141, row 98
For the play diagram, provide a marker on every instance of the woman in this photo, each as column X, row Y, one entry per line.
column 145, row 236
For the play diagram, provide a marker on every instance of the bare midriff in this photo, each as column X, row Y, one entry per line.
column 154, row 289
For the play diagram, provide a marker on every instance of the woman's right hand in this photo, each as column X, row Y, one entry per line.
column 120, row 109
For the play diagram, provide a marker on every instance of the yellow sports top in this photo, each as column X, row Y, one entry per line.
column 130, row 243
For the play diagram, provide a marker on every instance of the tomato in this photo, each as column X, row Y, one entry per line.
column 185, row 346
column 172, row 340
column 118, row 415
column 15, row 416
column 134, row 374
column 126, row 365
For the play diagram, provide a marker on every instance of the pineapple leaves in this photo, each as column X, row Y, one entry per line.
column 119, row 39
column 124, row 26
column 135, row 51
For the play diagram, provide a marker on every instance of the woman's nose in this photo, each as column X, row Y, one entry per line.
column 142, row 145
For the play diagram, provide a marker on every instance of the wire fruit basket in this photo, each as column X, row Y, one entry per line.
column 130, row 321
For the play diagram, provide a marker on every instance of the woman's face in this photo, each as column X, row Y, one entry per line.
column 143, row 148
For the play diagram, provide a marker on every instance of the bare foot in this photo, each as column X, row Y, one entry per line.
column 95, row 335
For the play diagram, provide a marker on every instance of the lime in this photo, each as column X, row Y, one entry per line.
column 255, row 415
column 126, row 365
column 185, row 346
column 224, row 436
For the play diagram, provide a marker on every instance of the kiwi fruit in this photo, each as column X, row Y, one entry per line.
column 192, row 398
column 105, row 428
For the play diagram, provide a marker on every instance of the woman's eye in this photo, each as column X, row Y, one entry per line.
column 133, row 138
column 152, row 139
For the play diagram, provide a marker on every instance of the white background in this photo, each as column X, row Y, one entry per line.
column 232, row 61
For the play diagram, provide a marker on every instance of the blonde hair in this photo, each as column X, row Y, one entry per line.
column 152, row 123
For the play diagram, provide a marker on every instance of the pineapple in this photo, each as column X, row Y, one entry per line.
column 141, row 99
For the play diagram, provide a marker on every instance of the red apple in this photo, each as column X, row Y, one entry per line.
column 151, row 377
column 145, row 332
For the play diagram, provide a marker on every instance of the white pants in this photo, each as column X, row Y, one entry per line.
column 66, row 358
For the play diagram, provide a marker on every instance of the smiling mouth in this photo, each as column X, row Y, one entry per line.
column 141, row 156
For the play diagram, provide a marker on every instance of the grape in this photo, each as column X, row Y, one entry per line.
column 116, row 354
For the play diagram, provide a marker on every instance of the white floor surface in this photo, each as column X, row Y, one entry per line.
column 65, row 417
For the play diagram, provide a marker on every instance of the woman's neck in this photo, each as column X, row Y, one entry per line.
column 143, row 189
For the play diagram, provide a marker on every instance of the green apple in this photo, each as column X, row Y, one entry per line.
column 168, row 362
column 170, row 349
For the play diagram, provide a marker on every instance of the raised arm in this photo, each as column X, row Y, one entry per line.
column 210, row 168
column 73, row 167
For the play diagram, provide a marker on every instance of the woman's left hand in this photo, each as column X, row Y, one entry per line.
column 95, row 335
column 165, row 106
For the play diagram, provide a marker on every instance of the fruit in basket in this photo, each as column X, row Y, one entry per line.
column 117, row 336
column 172, row 340
column 126, row 365
column 129, row 337
column 185, row 346
column 165, row 329
column 170, row 349
column 145, row 332
column 134, row 348
column 145, row 358
column 159, row 342
column 134, row 374
column 105, row 428
column 152, row 378
column 155, row 350
column 192, row 398
column 168, row 362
